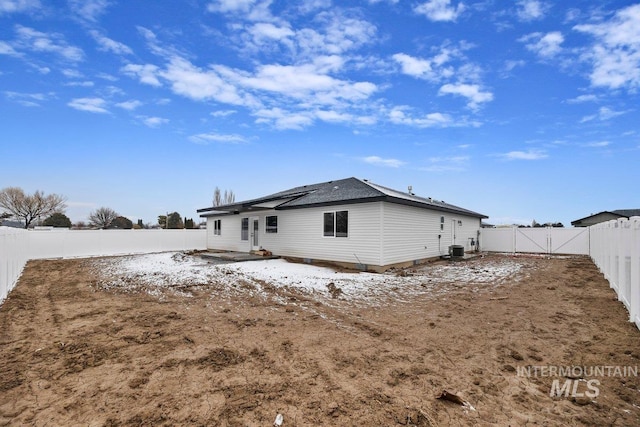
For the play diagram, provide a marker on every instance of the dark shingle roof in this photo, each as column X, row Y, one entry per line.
column 627, row 212
column 343, row 191
column 622, row 213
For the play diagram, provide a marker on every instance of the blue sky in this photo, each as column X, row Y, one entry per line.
column 519, row 110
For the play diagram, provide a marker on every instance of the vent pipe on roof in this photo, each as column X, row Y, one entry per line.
column 410, row 188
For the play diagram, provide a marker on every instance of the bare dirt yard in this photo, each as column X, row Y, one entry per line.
column 168, row 339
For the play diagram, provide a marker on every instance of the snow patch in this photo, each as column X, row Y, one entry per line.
column 178, row 271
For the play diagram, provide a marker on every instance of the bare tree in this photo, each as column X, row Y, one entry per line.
column 102, row 217
column 229, row 197
column 30, row 207
column 219, row 199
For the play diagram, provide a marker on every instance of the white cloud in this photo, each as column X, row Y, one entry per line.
column 71, row 73
column 37, row 41
column 92, row 105
column 604, row 113
column 524, row 155
column 13, row 6
column 207, row 138
column 582, row 98
column 415, row 67
column 446, row 164
column 226, row 6
column 281, row 119
column 510, row 65
column 398, row 116
column 251, row 10
column 196, row 83
column 146, row 73
column 471, row 92
column 7, row 49
column 308, row 6
column 86, row 83
column 333, row 116
column 431, row 69
column 153, row 122
column 615, row 56
column 88, row 10
column 267, row 30
column 531, row 10
column 379, row 161
column 307, row 82
column 545, row 45
column 599, row 144
column 26, row 99
column 440, row 10
column 223, row 113
column 129, row 105
column 108, row 45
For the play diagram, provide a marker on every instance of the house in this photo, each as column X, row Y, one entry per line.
column 605, row 216
column 349, row 221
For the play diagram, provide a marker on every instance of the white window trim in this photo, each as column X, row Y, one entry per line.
column 335, row 218
column 266, row 226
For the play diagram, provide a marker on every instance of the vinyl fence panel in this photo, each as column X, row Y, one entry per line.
column 615, row 249
column 13, row 257
column 547, row 240
column 63, row 243
column 497, row 240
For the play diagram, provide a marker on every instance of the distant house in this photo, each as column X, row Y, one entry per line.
column 605, row 216
column 350, row 221
column 12, row 224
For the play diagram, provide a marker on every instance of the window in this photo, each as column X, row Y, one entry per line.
column 336, row 224
column 328, row 224
column 244, row 229
column 217, row 227
column 441, row 223
column 272, row 224
column 342, row 223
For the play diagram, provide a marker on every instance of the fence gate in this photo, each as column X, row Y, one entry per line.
column 548, row 240
column 574, row 241
column 533, row 240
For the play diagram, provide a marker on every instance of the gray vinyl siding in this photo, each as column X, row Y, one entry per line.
column 411, row 233
column 380, row 233
column 229, row 238
column 300, row 234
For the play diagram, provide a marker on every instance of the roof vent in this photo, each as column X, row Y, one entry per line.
column 410, row 190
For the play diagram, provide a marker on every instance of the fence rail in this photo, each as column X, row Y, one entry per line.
column 17, row 246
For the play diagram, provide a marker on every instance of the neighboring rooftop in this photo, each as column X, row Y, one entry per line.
column 605, row 216
column 343, row 191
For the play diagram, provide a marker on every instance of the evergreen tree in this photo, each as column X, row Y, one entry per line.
column 58, row 219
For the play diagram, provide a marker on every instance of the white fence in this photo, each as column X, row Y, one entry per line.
column 63, row 243
column 17, row 246
column 547, row 240
column 615, row 249
column 13, row 256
